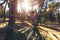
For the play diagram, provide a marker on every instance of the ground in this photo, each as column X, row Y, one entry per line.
column 48, row 32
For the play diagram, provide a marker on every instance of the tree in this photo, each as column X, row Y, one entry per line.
column 58, row 17
column 2, row 10
column 12, row 10
column 58, row 4
column 41, row 4
column 51, row 8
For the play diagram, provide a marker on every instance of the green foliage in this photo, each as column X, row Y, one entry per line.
column 51, row 5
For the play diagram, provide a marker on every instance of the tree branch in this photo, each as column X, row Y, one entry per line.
column 3, row 2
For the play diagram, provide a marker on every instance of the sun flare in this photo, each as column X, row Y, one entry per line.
column 26, row 5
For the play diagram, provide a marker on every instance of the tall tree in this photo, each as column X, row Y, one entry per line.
column 12, row 10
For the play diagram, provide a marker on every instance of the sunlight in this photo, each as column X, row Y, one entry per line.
column 26, row 5
column 19, row 7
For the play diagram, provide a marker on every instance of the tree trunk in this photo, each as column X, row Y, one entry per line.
column 12, row 11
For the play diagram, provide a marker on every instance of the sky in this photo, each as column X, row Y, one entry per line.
column 52, row 0
column 4, row 5
column 56, row 0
